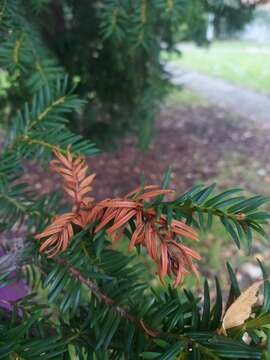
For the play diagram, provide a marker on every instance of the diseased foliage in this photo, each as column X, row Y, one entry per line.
column 80, row 298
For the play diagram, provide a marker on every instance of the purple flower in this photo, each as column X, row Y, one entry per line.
column 15, row 290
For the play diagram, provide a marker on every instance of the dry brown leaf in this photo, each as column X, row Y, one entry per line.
column 76, row 181
column 240, row 310
column 151, row 231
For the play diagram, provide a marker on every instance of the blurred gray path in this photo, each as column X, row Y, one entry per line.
column 237, row 99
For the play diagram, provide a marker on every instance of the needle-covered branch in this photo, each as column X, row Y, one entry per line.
column 241, row 216
column 147, row 220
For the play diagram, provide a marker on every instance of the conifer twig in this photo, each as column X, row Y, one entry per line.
column 93, row 286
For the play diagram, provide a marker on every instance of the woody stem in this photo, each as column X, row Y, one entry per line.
column 93, row 286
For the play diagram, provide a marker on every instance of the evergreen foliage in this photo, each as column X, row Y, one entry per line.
column 89, row 300
column 110, row 48
column 231, row 18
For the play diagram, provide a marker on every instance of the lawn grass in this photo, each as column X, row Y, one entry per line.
column 242, row 63
column 184, row 97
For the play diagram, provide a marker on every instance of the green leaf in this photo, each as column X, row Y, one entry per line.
column 258, row 216
column 217, row 310
column 216, row 199
column 248, row 204
column 228, row 202
column 189, row 194
column 248, row 234
column 166, row 178
column 108, row 330
column 268, row 344
column 229, row 227
column 201, row 219
column 206, row 307
column 234, row 283
column 172, row 351
column 204, row 194
column 209, row 221
column 195, row 353
column 150, row 355
column 225, row 347
column 266, row 288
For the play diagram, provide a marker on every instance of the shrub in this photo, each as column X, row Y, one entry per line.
column 69, row 293
column 79, row 297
